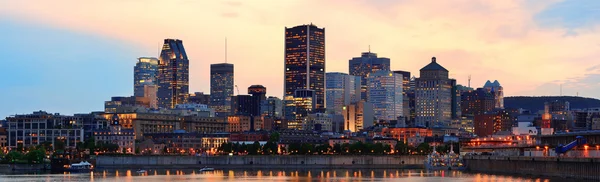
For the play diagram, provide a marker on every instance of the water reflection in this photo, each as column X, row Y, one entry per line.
column 273, row 175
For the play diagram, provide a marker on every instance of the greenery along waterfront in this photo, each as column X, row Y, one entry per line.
column 358, row 148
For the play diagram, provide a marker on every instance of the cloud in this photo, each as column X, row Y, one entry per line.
column 508, row 41
column 571, row 14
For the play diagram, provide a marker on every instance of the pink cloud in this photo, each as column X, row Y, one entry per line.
column 495, row 40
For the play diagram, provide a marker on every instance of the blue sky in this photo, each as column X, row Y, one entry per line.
column 70, row 57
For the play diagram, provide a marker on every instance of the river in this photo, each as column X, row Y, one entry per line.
column 275, row 175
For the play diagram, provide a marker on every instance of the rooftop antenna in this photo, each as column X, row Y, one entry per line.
column 226, row 54
column 561, row 89
column 238, row 89
column 369, row 48
column 469, row 85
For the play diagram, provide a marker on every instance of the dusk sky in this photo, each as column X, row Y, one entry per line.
column 71, row 56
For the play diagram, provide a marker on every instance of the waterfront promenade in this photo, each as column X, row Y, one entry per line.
column 264, row 162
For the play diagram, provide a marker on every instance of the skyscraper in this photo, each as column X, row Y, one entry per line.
column 221, row 88
column 384, row 91
column 358, row 116
column 367, row 63
column 341, row 90
column 305, row 61
column 498, row 92
column 145, row 72
column 173, row 74
column 434, row 96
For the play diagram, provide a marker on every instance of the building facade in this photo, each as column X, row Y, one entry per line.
column 318, row 122
column 367, row 63
column 173, row 74
column 434, row 96
column 272, row 106
column 34, row 129
column 341, row 90
column 145, row 72
column 358, row 116
column 298, row 106
column 385, row 93
column 221, row 88
column 496, row 89
column 199, row 98
column 115, row 134
column 305, row 61
column 477, row 102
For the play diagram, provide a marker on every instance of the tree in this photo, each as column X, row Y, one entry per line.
column 423, row 148
column 13, row 156
column 274, row 137
column 323, row 148
column 59, row 145
column 346, row 148
column 387, row 148
column 401, row 148
column 35, row 156
column 337, row 148
column 294, row 148
column 377, row 148
column 307, row 148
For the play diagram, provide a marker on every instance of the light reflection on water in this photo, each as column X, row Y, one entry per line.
column 341, row 175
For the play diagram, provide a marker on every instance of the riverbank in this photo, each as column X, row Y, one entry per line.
column 263, row 162
column 576, row 168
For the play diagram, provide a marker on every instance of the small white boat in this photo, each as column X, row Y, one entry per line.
column 207, row 169
column 141, row 171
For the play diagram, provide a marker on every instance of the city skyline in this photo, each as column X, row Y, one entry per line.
column 531, row 42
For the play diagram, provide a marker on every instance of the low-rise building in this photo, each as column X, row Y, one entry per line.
column 403, row 134
column 115, row 134
column 34, row 129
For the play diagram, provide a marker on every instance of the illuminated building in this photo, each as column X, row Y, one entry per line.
column 366, row 64
column 408, row 94
column 384, row 90
column 318, row 122
column 496, row 89
column 434, row 96
column 115, row 134
column 258, row 91
column 305, row 61
column 272, row 106
column 30, row 130
column 199, row 98
column 148, row 123
column 298, row 106
column 341, row 89
column 173, row 74
column 145, row 73
column 245, row 105
column 477, row 102
column 126, row 104
column 358, row 116
column 240, row 123
column 221, row 88
column 404, row 134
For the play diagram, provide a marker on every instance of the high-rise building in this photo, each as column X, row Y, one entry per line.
column 367, row 63
column 341, row 90
column 221, row 88
column 434, row 96
column 476, row 102
column 145, row 73
column 305, row 61
column 384, row 90
column 272, row 107
column 358, row 116
column 173, row 74
column 498, row 92
column 407, row 109
column 258, row 91
column 298, row 106
column 199, row 98
column 150, row 94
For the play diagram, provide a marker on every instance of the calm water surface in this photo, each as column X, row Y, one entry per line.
column 275, row 175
